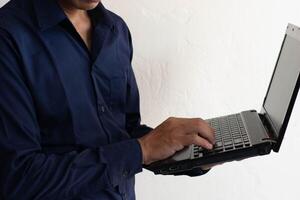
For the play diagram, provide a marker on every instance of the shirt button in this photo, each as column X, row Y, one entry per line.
column 102, row 109
column 125, row 173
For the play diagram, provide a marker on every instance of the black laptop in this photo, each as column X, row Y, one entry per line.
column 249, row 133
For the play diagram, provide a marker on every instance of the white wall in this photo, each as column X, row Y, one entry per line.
column 207, row 58
column 204, row 58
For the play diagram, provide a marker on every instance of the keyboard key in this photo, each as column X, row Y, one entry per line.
column 218, row 144
column 228, row 148
column 230, row 133
column 227, row 143
column 238, row 145
column 238, row 140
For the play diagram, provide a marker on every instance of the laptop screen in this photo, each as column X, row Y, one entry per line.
column 284, row 81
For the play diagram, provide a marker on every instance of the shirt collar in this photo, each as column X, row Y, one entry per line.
column 102, row 16
column 49, row 13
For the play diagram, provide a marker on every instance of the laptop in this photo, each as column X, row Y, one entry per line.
column 248, row 133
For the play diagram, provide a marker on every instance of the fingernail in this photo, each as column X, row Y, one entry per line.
column 210, row 146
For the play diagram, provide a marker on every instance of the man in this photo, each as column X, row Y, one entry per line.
column 69, row 105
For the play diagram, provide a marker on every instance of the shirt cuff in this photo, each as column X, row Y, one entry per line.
column 140, row 131
column 124, row 159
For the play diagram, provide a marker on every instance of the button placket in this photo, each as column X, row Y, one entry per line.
column 125, row 173
column 101, row 108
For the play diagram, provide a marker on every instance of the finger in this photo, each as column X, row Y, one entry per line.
column 195, row 139
column 209, row 166
column 205, row 168
column 204, row 130
column 197, row 125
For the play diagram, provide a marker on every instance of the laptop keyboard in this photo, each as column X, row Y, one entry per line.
column 230, row 134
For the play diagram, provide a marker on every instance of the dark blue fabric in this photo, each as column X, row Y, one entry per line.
column 69, row 121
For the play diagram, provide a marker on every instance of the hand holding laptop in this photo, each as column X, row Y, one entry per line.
column 173, row 135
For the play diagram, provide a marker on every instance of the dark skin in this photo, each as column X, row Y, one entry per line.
column 170, row 136
column 76, row 12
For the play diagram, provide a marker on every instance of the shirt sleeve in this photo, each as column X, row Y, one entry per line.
column 133, row 117
column 26, row 172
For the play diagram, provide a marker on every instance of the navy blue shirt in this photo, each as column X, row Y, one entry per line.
column 69, row 118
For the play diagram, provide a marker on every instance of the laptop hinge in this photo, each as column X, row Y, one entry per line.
column 272, row 136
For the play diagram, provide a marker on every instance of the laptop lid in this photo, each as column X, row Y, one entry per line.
column 284, row 85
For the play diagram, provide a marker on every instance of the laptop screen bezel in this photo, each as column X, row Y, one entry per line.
column 294, row 32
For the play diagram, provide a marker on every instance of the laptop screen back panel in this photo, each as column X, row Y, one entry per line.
column 284, row 85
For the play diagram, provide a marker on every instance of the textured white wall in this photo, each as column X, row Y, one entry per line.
column 208, row 58
column 204, row 58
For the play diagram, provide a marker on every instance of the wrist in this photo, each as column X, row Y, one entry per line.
column 144, row 150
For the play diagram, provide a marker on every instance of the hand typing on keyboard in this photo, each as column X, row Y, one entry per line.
column 173, row 135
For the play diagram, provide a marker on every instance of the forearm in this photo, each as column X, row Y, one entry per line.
column 66, row 175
